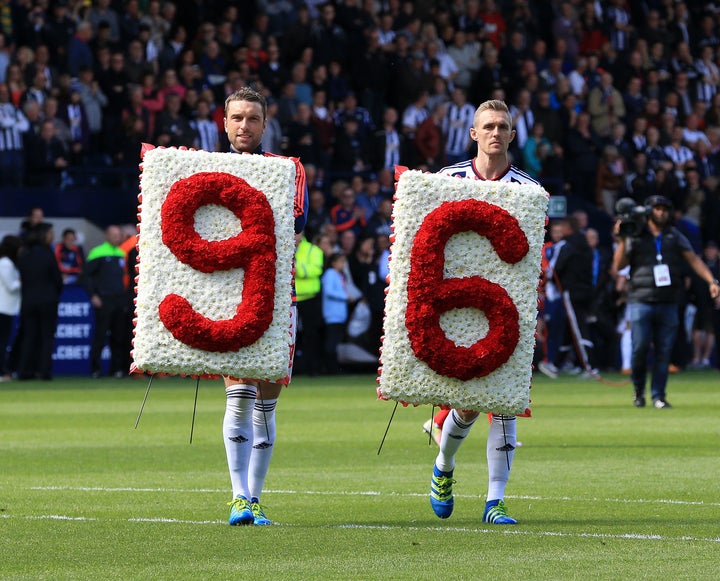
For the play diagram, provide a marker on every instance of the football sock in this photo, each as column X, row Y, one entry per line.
column 501, row 442
column 453, row 434
column 238, row 435
column 263, row 418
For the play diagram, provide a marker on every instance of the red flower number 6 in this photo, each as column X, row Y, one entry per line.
column 253, row 249
column 430, row 294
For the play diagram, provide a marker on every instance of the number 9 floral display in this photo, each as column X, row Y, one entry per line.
column 215, row 264
column 461, row 307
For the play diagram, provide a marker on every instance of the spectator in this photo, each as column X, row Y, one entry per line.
column 349, row 151
column 368, row 194
column 113, row 81
column 41, row 287
column 349, row 108
column 103, row 12
column 536, row 148
column 437, row 58
column 159, row 25
column 610, row 179
column 16, row 84
column 34, row 220
column 80, row 54
column 171, row 84
column 103, row 276
column 327, row 38
column 346, row 214
column 41, row 63
column 136, row 63
column 363, row 267
column 50, row 111
column 59, row 28
column 489, row 77
column 572, row 272
column 387, row 144
column 45, row 158
column 694, row 196
column 678, row 153
column 303, row 140
column 335, row 301
column 93, row 101
column 173, row 129
column 372, row 76
column 430, row 140
column 13, row 127
column 318, row 215
column 605, row 105
column 412, row 117
column 602, row 316
column 380, row 224
column 205, row 128
column 129, row 21
column 703, row 334
column 583, row 148
column 640, row 182
column 10, row 293
column 553, row 311
column 70, row 256
column 457, row 123
column 309, row 268
column 708, row 75
column 75, row 118
column 273, row 72
column 36, row 91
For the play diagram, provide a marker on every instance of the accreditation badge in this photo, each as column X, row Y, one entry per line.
column 661, row 272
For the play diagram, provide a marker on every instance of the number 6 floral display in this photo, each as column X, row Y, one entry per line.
column 461, row 306
column 215, row 264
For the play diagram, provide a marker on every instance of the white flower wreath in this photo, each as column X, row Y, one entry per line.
column 403, row 376
column 215, row 294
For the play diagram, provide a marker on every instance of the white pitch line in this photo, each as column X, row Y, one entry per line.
column 480, row 531
column 375, row 493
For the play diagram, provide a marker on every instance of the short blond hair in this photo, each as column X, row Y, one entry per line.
column 494, row 105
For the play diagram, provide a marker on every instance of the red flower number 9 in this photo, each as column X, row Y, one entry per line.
column 430, row 294
column 253, row 249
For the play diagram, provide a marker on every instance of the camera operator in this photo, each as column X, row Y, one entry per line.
column 655, row 253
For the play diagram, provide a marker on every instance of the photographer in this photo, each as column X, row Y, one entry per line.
column 655, row 252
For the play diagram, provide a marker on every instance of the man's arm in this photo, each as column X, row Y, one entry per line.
column 620, row 259
column 702, row 271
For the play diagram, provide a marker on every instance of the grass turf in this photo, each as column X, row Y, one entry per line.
column 601, row 489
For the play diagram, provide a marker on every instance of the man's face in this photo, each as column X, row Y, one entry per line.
column 114, row 235
column 492, row 132
column 244, row 125
column 660, row 216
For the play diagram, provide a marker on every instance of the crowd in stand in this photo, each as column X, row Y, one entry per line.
column 610, row 99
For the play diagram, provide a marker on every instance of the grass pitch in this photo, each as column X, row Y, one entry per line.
column 602, row 490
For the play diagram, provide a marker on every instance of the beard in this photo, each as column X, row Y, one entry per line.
column 659, row 221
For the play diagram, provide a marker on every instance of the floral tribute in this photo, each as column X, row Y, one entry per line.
column 214, row 264
column 461, row 307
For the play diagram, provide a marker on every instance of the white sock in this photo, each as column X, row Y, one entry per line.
column 501, row 442
column 263, row 444
column 238, row 435
column 454, row 433
column 626, row 349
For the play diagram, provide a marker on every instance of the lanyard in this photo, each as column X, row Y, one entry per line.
column 658, row 248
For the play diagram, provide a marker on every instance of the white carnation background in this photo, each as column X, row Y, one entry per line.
column 215, row 295
column 405, row 378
